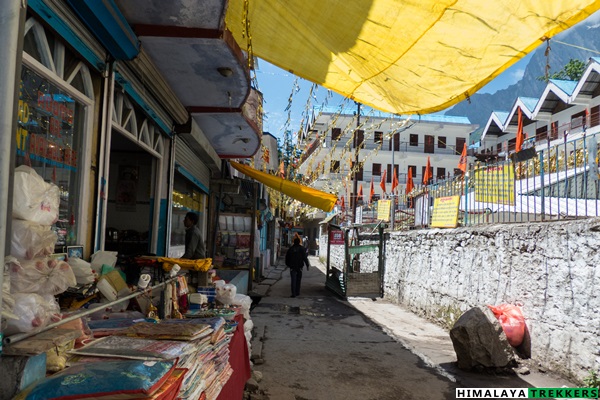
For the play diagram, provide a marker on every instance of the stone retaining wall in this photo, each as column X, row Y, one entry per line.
column 551, row 269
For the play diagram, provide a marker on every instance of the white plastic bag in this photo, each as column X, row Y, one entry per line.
column 101, row 258
column 30, row 239
column 34, row 311
column 34, row 200
column 226, row 293
column 82, row 270
column 245, row 302
column 41, row 276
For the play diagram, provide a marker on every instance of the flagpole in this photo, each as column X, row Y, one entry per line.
column 356, row 150
column 393, row 174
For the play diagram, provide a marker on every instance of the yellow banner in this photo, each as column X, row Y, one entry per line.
column 383, row 210
column 445, row 212
column 495, row 184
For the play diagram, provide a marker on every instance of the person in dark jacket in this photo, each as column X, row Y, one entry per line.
column 295, row 258
column 194, row 245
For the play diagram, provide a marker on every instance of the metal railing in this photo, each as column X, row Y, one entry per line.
column 559, row 182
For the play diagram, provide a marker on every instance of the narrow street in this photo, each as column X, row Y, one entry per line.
column 317, row 346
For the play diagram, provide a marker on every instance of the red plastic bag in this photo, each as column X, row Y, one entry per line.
column 512, row 321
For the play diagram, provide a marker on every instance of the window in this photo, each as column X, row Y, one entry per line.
column 376, row 169
column 336, row 133
column 335, row 167
column 50, row 138
column 441, row 173
column 389, row 175
column 595, row 116
column 460, row 143
column 423, row 171
column 414, row 139
column 359, row 139
column 441, row 142
column 554, row 130
column 541, row 133
column 577, row 120
column 395, row 139
column 429, row 144
column 358, row 172
column 414, row 170
column 378, row 138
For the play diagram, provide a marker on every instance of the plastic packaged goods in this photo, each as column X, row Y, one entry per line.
column 34, row 311
column 226, row 293
column 34, row 200
column 40, row 275
column 82, row 270
column 30, row 240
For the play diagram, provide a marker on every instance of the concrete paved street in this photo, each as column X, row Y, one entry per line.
column 317, row 346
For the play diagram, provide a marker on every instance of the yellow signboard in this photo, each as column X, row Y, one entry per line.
column 445, row 212
column 495, row 184
column 383, row 210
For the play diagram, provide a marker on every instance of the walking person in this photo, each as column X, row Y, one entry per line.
column 295, row 258
column 194, row 245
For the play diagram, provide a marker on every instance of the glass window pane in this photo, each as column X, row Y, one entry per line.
column 50, row 139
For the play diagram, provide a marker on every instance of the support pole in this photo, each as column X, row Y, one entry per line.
column 356, row 151
column 12, row 15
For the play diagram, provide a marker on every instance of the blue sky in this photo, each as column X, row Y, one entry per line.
column 277, row 86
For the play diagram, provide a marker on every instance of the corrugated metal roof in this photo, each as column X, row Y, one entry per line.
column 566, row 86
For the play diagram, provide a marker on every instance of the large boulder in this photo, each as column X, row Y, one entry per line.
column 479, row 341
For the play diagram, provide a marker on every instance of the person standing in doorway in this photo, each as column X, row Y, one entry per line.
column 295, row 258
column 194, row 245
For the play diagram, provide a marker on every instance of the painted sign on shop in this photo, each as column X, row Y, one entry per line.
column 336, row 237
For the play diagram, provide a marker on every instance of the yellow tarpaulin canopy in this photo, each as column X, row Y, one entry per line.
column 312, row 197
column 401, row 56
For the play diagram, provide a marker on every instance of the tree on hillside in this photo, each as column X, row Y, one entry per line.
column 572, row 71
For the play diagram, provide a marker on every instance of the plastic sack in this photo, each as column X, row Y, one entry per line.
column 512, row 321
column 245, row 302
column 30, row 239
column 41, row 276
column 226, row 293
column 34, row 312
column 101, row 258
column 34, row 200
column 82, row 270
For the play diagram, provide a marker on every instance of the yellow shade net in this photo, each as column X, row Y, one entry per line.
column 312, row 197
column 404, row 57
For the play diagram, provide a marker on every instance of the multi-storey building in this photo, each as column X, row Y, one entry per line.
column 383, row 141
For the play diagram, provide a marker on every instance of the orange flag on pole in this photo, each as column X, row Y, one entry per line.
column 394, row 179
column 282, row 171
column 409, row 182
column 359, row 196
column 371, row 191
column 343, row 204
column 427, row 175
column 519, row 143
column 382, row 183
column 462, row 163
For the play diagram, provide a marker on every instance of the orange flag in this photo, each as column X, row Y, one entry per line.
column 281, row 171
column 427, row 175
column 371, row 191
column 409, row 182
column 359, row 196
column 462, row 163
column 382, row 183
column 519, row 143
column 394, row 179
column 343, row 204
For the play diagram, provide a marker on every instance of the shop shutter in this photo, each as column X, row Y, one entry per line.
column 188, row 160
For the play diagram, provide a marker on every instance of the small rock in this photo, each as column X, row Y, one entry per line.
column 523, row 371
column 257, row 375
column 258, row 361
column 251, row 385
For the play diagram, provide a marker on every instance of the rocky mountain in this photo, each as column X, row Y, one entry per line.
column 584, row 35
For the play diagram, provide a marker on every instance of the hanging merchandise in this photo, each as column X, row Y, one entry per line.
column 40, row 275
column 30, row 240
column 34, row 200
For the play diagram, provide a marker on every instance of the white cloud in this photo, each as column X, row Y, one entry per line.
column 516, row 75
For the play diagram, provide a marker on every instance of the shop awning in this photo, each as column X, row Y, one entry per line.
column 312, row 197
column 400, row 56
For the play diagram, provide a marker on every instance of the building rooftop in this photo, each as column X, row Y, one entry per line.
column 365, row 111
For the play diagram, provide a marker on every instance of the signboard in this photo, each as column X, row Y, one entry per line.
column 422, row 210
column 336, row 237
column 445, row 212
column 495, row 184
column 383, row 210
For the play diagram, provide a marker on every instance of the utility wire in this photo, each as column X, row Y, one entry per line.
column 577, row 47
